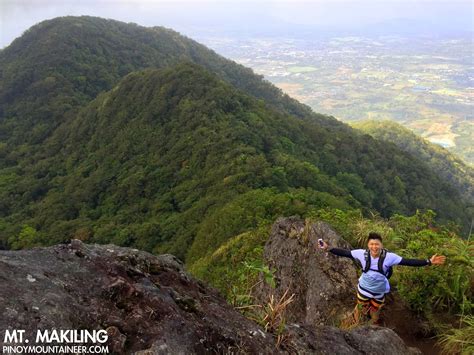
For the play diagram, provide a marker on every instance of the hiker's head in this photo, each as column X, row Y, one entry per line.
column 374, row 243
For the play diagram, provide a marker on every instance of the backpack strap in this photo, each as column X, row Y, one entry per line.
column 389, row 272
column 383, row 254
column 367, row 260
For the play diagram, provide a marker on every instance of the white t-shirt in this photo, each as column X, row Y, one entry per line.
column 380, row 282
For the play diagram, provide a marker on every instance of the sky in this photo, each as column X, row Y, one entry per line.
column 197, row 18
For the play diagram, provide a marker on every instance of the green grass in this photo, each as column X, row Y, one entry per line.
column 459, row 341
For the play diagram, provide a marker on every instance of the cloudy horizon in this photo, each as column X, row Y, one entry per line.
column 197, row 18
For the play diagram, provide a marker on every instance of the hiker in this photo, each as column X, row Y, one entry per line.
column 376, row 264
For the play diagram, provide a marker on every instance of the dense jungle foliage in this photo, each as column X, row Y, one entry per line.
column 177, row 160
column 442, row 162
column 59, row 65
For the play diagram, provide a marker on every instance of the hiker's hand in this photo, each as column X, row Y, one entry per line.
column 437, row 259
column 325, row 246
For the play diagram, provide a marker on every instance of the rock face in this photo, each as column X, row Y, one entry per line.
column 144, row 301
column 324, row 284
column 364, row 340
column 150, row 305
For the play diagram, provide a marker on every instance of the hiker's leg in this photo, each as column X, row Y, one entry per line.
column 362, row 306
column 375, row 309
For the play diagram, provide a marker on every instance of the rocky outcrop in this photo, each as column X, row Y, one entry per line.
column 150, row 305
column 144, row 301
column 371, row 340
column 323, row 284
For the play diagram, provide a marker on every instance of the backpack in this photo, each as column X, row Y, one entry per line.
column 382, row 256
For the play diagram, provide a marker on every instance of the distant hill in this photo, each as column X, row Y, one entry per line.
column 177, row 159
column 59, row 65
column 443, row 163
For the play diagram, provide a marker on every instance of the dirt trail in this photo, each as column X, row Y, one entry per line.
column 410, row 328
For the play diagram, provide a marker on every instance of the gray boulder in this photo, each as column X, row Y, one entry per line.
column 324, row 284
column 143, row 301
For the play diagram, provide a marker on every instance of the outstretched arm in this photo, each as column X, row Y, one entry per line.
column 337, row 251
column 434, row 260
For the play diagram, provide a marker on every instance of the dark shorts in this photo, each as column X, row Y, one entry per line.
column 370, row 302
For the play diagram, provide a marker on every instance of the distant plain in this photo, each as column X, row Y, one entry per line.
column 424, row 83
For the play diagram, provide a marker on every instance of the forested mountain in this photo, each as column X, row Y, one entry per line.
column 177, row 159
column 61, row 64
column 442, row 162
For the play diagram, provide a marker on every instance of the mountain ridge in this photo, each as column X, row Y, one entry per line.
column 101, row 53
